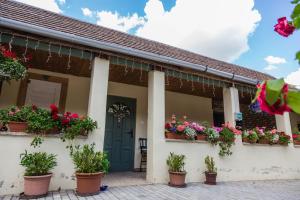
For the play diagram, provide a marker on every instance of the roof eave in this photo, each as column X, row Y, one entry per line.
column 13, row 24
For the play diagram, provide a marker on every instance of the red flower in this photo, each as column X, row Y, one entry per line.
column 67, row 114
column 34, row 107
column 54, row 109
column 283, row 27
column 9, row 54
column 168, row 126
column 65, row 121
column 74, row 116
column 55, row 116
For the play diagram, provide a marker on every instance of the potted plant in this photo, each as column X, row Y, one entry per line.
column 37, row 171
column 16, row 118
column 284, row 139
column 200, row 130
column 296, row 137
column 39, row 121
column 211, row 171
column 250, row 136
column 213, row 135
column 176, row 129
column 90, row 166
column 176, row 170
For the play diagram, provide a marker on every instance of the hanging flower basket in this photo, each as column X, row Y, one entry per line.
column 11, row 67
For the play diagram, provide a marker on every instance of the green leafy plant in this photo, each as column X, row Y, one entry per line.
column 176, row 162
column 210, row 164
column 78, row 127
column 11, row 67
column 37, row 163
column 15, row 114
column 87, row 160
column 212, row 135
column 40, row 121
column 227, row 138
column 284, row 139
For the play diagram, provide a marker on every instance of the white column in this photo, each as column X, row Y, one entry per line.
column 283, row 123
column 156, row 120
column 97, row 99
column 231, row 104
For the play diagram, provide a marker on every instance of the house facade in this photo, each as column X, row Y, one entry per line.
column 131, row 86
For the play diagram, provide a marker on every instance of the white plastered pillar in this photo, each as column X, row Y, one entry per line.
column 97, row 99
column 283, row 123
column 231, row 104
column 156, row 120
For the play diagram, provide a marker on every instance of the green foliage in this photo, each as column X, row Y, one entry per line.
column 37, row 163
column 212, row 136
column 15, row 114
column 273, row 89
column 12, row 69
column 295, row 1
column 298, row 56
column 210, row 164
column 36, row 142
column 293, row 100
column 176, row 162
column 87, row 160
column 79, row 127
column 40, row 121
column 227, row 138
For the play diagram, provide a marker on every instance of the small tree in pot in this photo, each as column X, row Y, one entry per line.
column 90, row 167
column 176, row 170
column 37, row 170
column 211, row 172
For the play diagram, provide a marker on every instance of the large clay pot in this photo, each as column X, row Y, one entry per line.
column 35, row 186
column 297, row 142
column 177, row 179
column 17, row 126
column 88, row 183
column 210, row 178
column 201, row 137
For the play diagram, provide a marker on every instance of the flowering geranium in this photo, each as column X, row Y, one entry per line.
column 284, row 27
column 197, row 127
column 232, row 128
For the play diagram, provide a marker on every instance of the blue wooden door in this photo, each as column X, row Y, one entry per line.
column 120, row 133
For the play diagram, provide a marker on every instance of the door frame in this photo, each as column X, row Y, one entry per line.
column 133, row 128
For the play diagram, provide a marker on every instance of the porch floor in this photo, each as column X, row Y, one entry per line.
column 250, row 190
column 125, row 179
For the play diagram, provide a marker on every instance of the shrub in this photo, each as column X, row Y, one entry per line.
column 87, row 160
column 176, row 162
column 37, row 163
column 210, row 164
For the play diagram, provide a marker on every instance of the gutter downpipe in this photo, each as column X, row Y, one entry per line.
column 117, row 48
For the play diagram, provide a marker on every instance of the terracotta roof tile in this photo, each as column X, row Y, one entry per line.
column 46, row 19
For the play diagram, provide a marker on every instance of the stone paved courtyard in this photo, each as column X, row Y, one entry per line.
column 256, row 190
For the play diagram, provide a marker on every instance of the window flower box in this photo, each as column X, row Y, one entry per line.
column 17, row 126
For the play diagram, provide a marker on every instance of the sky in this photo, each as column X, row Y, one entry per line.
column 235, row 31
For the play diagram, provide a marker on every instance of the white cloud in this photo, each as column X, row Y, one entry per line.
column 117, row 22
column 87, row 12
column 50, row 5
column 273, row 60
column 215, row 28
column 61, row 2
column 294, row 78
column 270, row 67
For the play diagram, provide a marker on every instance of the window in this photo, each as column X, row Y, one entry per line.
column 43, row 90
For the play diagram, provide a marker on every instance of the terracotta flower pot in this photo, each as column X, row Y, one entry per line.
column 201, row 137
column 210, row 178
column 35, row 186
column 297, row 142
column 17, row 126
column 246, row 140
column 171, row 135
column 88, row 183
column 53, row 131
column 263, row 141
column 177, row 179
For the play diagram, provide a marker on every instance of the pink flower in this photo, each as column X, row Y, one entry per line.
column 186, row 123
column 11, row 113
column 273, row 131
column 181, row 128
column 283, row 27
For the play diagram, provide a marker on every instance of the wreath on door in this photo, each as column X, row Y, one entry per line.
column 119, row 110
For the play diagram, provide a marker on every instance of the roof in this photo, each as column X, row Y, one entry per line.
column 35, row 16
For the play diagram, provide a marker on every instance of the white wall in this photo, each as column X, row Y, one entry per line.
column 248, row 162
